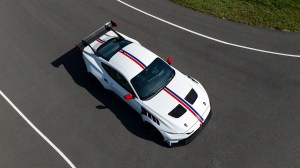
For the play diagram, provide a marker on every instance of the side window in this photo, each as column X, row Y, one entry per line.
column 123, row 82
column 119, row 78
column 111, row 72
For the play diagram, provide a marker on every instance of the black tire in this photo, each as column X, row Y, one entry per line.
column 92, row 77
column 157, row 136
column 95, row 81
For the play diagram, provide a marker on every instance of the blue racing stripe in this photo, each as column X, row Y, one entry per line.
column 134, row 58
column 101, row 40
column 186, row 103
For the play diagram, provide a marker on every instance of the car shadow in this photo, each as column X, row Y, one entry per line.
column 74, row 64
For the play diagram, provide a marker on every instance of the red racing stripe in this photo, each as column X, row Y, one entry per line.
column 124, row 53
column 128, row 56
column 99, row 41
column 183, row 104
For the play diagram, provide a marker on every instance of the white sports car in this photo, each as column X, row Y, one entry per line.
column 175, row 104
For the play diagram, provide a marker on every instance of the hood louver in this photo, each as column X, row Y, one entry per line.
column 178, row 111
column 191, row 97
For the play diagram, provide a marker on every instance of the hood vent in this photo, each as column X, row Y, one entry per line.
column 191, row 97
column 178, row 111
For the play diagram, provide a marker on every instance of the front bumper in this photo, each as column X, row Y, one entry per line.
column 194, row 135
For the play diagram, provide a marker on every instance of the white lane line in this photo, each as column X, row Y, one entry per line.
column 37, row 130
column 205, row 36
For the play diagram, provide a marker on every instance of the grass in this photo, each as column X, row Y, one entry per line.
column 276, row 14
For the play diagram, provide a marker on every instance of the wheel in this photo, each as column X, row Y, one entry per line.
column 157, row 136
column 92, row 77
column 94, row 80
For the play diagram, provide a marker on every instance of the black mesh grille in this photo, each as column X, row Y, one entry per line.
column 178, row 111
column 191, row 97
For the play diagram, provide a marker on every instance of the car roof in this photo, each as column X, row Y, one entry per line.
column 132, row 59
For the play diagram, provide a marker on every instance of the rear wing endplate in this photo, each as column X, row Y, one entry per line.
column 95, row 35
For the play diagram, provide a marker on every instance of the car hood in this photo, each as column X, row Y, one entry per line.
column 173, row 95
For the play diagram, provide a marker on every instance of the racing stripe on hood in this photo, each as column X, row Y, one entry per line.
column 133, row 58
column 184, row 103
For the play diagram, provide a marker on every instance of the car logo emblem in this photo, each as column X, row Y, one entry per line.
column 185, row 125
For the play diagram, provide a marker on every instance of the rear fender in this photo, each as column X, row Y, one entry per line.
column 93, row 68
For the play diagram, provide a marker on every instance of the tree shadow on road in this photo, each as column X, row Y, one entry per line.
column 74, row 64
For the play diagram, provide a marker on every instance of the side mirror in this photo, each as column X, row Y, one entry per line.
column 128, row 96
column 169, row 60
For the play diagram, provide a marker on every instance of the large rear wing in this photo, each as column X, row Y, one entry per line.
column 95, row 35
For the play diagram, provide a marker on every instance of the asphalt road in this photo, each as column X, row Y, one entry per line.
column 255, row 96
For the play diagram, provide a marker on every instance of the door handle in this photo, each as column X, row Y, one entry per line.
column 105, row 80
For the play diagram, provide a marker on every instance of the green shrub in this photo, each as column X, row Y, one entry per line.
column 277, row 14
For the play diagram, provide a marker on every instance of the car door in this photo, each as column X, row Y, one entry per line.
column 121, row 87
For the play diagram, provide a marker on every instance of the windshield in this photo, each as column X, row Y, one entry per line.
column 152, row 79
column 109, row 48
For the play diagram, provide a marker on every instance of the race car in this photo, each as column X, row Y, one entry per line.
column 173, row 103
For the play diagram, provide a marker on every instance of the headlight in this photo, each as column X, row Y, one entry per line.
column 172, row 133
column 198, row 83
column 191, row 78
